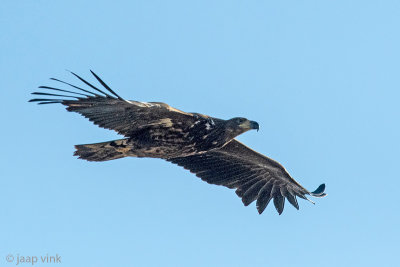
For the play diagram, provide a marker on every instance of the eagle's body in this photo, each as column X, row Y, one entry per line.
column 202, row 144
column 165, row 138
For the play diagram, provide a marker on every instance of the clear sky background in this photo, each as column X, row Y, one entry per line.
column 322, row 78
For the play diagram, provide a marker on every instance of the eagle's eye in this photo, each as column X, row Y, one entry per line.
column 240, row 120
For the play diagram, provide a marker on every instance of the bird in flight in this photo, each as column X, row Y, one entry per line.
column 204, row 145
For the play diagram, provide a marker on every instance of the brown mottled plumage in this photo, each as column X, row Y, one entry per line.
column 202, row 144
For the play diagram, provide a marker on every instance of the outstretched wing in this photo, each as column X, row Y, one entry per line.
column 255, row 176
column 108, row 110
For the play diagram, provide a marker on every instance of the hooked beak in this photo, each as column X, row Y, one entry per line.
column 248, row 125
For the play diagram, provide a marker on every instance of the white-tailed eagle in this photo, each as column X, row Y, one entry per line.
column 201, row 144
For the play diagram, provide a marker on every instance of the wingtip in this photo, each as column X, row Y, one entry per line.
column 71, row 72
column 246, row 202
column 319, row 192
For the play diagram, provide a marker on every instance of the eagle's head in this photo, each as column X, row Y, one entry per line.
column 240, row 125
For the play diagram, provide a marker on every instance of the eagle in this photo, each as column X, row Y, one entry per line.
column 204, row 145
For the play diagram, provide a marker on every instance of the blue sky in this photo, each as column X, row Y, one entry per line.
column 320, row 77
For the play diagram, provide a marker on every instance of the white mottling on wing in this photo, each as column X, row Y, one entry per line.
column 194, row 124
column 166, row 122
column 208, row 126
column 140, row 104
column 147, row 104
column 163, row 122
column 176, row 110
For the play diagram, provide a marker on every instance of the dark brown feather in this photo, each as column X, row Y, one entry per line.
column 254, row 176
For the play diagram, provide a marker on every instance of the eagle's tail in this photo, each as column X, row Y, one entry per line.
column 104, row 151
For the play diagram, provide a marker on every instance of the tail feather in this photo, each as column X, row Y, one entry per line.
column 103, row 151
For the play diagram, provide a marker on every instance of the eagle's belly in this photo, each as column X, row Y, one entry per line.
column 161, row 151
column 175, row 140
column 161, row 144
